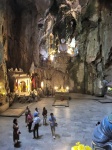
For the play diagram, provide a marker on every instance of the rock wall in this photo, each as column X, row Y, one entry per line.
column 19, row 35
column 92, row 29
column 25, row 27
column 95, row 37
column 3, row 49
column 23, row 32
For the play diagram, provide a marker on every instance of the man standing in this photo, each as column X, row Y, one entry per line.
column 35, row 125
column 52, row 121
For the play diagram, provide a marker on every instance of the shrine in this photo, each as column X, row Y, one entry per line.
column 21, row 82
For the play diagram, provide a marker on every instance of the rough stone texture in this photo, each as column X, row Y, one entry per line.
column 21, row 27
column 96, row 41
column 3, row 49
column 25, row 27
column 19, row 38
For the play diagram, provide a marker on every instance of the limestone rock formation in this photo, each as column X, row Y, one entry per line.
column 26, row 28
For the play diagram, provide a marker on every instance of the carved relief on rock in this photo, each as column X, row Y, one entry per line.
column 75, row 8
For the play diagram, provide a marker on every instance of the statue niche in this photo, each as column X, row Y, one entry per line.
column 23, row 86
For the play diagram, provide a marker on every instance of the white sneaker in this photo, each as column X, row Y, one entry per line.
column 53, row 137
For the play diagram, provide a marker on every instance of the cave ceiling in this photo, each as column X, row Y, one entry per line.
column 24, row 17
column 67, row 19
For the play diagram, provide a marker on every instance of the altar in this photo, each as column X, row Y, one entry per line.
column 62, row 95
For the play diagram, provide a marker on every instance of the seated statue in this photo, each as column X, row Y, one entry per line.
column 102, row 135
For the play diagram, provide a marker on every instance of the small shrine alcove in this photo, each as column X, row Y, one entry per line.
column 21, row 82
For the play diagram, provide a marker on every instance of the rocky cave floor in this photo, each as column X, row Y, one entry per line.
column 75, row 123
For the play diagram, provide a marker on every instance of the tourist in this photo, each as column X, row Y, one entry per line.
column 44, row 113
column 35, row 125
column 52, row 121
column 16, row 132
column 29, row 120
column 36, row 112
column 26, row 113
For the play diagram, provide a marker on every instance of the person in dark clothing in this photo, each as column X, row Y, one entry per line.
column 26, row 113
column 16, row 132
column 44, row 113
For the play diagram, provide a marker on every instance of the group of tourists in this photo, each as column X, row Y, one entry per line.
column 33, row 123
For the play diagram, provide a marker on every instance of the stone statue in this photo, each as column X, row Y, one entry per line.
column 63, row 46
column 102, row 135
column 32, row 68
column 16, row 70
column 10, row 69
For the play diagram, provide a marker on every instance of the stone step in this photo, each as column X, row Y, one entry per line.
column 108, row 96
column 4, row 107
